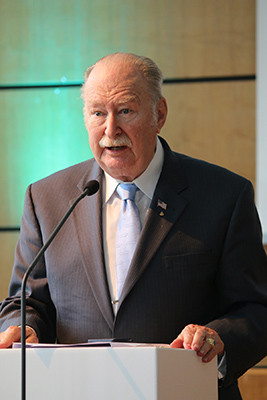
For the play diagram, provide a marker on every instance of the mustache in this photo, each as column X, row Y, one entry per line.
column 119, row 141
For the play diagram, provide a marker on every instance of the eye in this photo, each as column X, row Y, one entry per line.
column 98, row 113
column 125, row 111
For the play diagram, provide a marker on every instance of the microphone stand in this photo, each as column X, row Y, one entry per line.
column 91, row 188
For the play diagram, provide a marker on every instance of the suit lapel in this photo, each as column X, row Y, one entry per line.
column 166, row 207
column 88, row 216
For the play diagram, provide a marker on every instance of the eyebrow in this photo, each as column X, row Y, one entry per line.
column 124, row 99
column 129, row 98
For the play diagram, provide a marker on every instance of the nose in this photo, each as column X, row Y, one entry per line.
column 112, row 128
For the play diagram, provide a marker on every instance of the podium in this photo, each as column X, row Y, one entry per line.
column 108, row 373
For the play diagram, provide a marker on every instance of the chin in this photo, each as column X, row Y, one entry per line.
column 120, row 175
column 117, row 169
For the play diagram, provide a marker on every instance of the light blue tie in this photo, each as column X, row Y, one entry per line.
column 128, row 232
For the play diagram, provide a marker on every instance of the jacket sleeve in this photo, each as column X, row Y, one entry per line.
column 242, row 286
column 40, row 311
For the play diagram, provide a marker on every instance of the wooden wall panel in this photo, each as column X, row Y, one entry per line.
column 214, row 122
column 205, row 120
column 46, row 41
column 253, row 384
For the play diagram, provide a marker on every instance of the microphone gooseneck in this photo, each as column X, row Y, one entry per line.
column 90, row 188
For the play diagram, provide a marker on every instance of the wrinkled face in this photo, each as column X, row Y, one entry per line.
column 121, row 121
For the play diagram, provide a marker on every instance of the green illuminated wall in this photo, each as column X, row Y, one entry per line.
column 43, row 133
column 45, row 47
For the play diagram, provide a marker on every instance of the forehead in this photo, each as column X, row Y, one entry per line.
column 115, row 81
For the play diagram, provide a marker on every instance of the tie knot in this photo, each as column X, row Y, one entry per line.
column 127, row 191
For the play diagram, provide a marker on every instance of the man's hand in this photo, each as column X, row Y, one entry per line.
column 13, row 334
column 205, row 341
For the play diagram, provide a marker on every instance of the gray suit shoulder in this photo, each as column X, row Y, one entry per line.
column 70, row 175
column 204, row 170
column 199, row 172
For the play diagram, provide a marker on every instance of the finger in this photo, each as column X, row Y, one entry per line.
column 205, row 341
column 185, row 338
column 209, row 342
column 10, row 335
column 212, row 346
column 210, row 355
column 177, row 343
column 199, row 338
column 31, row 336
column 193, row 336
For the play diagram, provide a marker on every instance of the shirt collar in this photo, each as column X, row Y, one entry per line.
column 146, row 182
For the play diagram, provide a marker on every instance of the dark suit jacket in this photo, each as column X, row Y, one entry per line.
column 199, row 261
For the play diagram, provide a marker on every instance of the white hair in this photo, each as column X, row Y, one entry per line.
column 147, row 67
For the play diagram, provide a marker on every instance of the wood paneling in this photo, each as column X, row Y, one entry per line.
column 214, row 122
column 253, row 384
column 205, row 120
column 46, row 41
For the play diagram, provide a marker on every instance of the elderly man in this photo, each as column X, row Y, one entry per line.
column 196, row 267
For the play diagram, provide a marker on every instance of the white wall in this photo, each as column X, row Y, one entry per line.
column 261, row 113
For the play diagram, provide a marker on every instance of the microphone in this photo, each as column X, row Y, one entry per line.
column 90, row 188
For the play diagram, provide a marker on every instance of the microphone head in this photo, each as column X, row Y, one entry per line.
column 91, row 187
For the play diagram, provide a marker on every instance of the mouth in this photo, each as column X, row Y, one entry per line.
column 116, row 148
column 116, row 144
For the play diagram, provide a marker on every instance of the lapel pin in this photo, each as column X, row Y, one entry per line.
column 162, row 204
column 161, row 214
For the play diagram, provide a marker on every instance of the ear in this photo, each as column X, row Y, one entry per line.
column 162, row 111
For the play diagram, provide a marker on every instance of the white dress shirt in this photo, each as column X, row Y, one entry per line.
column 112, row 208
